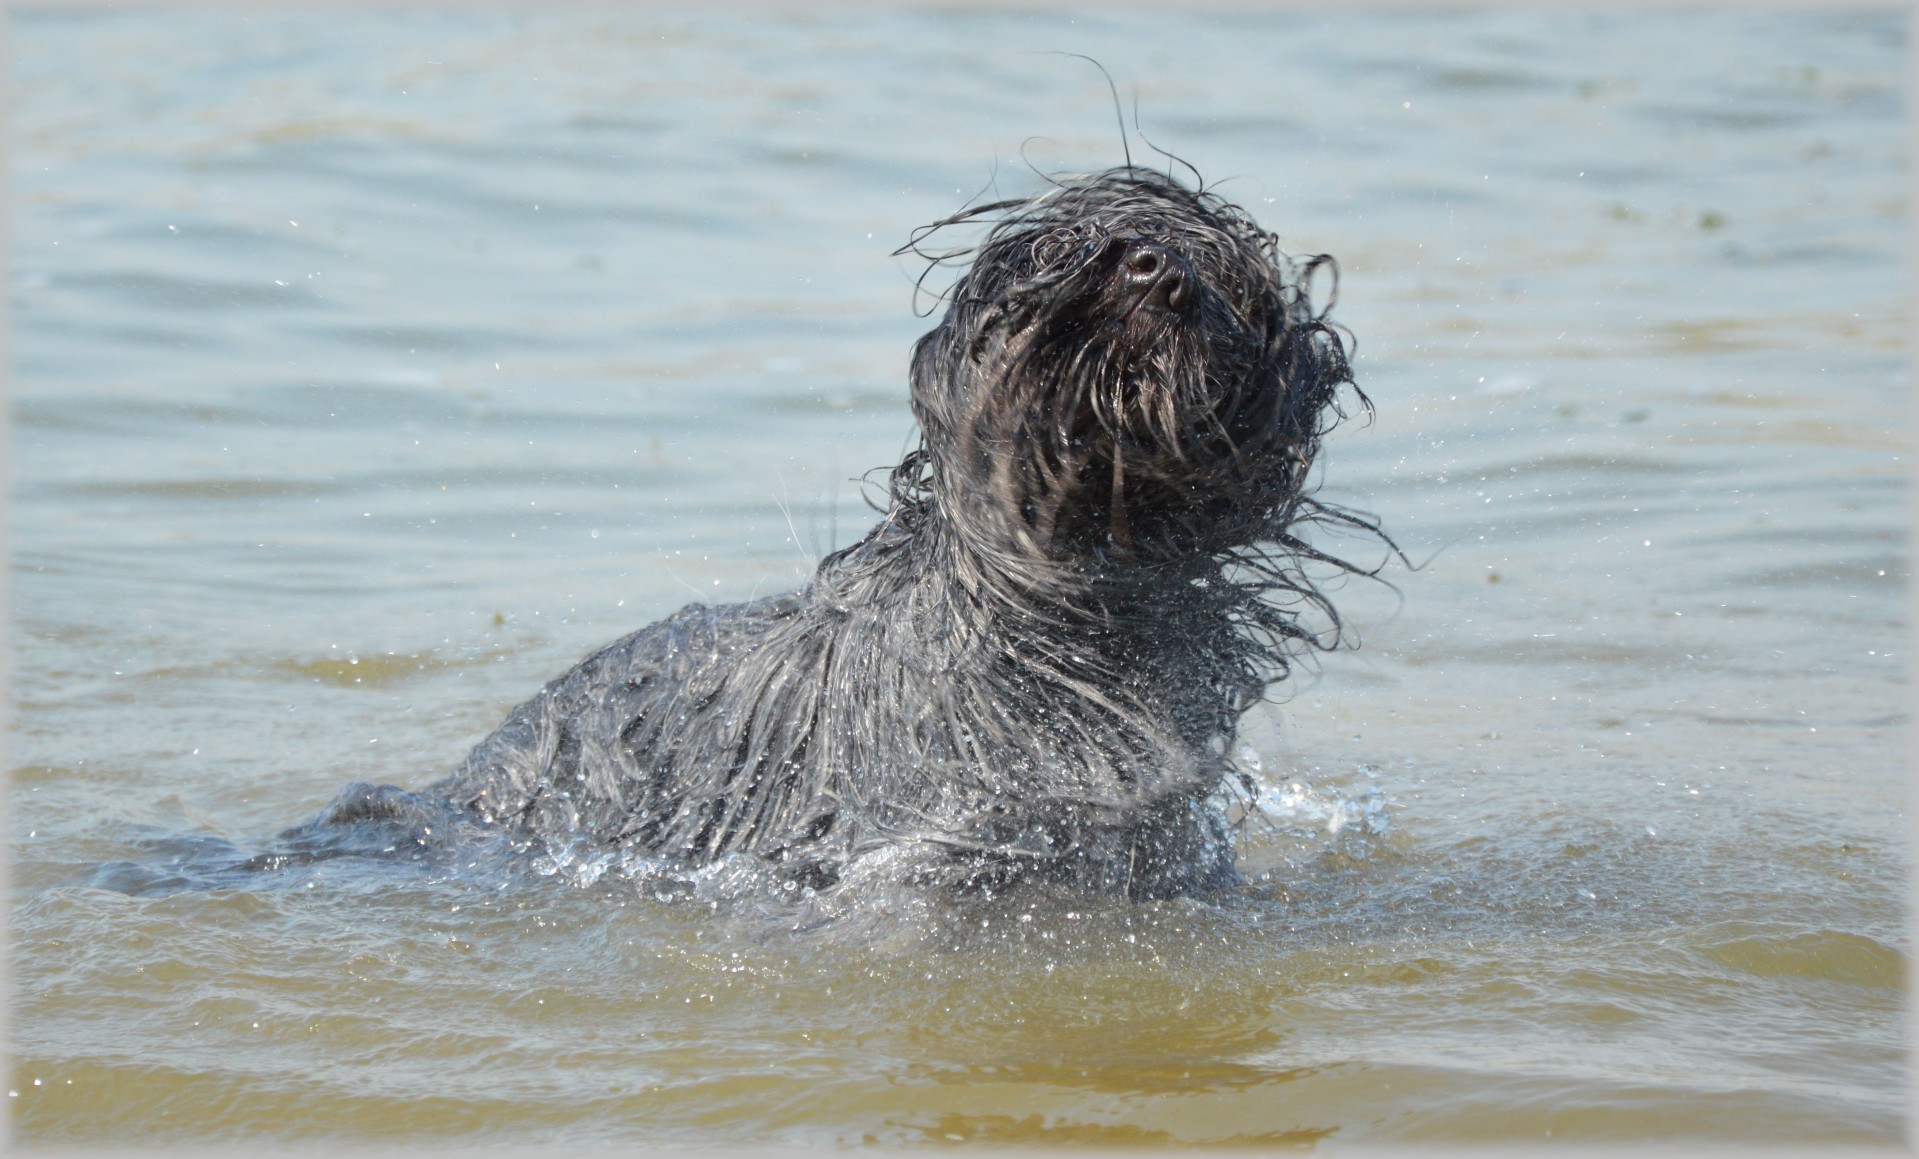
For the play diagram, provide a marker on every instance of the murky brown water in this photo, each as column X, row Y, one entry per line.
column 370, row 370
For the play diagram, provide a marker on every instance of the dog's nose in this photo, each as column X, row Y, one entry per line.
column 1159, row 276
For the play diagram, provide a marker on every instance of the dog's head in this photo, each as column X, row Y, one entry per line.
column 1130, row 371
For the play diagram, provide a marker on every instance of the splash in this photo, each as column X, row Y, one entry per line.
column 1298, row 807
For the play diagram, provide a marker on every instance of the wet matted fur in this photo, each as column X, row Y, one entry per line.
column 1087, row 572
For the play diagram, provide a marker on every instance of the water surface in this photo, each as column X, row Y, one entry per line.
column 370, row 370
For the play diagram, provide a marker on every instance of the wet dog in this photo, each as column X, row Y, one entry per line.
column 1035, row 664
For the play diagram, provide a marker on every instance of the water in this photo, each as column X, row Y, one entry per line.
column 369, row 370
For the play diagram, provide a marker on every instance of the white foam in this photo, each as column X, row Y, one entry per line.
column 1301, row 805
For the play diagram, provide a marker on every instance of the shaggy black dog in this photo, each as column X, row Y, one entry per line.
column 1036, row 663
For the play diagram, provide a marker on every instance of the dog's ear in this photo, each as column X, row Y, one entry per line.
column 931, row 384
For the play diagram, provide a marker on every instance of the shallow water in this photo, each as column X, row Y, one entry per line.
column 369, row 371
